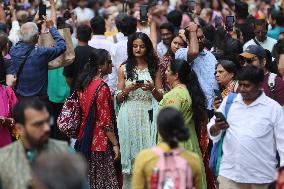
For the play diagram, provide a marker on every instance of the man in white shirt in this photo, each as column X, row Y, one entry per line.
column 119, row 50
column 261, row 38
column 98, row 40
column 82, row 12
column 254, row 131
column 118, row 23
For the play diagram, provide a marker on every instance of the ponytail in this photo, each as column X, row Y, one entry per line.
column 171, row 127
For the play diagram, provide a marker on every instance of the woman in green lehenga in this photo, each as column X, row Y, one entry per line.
column 188, row 98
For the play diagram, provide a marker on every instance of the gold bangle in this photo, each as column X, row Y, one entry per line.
column 153, row 89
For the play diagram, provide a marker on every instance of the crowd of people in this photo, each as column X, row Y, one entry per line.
column 113, row 94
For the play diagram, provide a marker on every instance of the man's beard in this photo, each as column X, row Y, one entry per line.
column 38, row 144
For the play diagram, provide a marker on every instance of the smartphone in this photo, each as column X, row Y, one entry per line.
column 218, row 21
column 218, row 94
column 67, row 14
column 230, row 22
column 143, row 13
column 41, row 10
column 190, row 5
column 6, row 3
column 139, row 81
column 220, row 116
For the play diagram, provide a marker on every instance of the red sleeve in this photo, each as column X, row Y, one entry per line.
column 104, row 108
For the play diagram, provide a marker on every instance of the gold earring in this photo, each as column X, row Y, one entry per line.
column 100, row 72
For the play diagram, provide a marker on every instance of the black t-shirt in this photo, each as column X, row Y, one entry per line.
column 82, row 54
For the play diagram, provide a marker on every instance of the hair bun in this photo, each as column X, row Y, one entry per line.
column 182, row 134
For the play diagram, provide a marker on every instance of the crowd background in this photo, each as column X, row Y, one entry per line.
column 124, row 64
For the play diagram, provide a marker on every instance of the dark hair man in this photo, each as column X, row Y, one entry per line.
column 167, row 32
column 254, row 130
column 241, row 9
column 32, row 120
column 119, row 50
column 59, row 171
column 82, row 52
column 260, row 30
column 274, row 33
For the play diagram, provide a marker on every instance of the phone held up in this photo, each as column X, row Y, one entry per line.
column 190, row 4
column 218, row 94
column 230, row 22
column 41, row 10
column 144, row 13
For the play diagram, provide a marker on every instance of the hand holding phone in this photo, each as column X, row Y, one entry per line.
column 218, row 94
column 230, row 22
column 143, row 13
column 220, row 122
column 139, row 82
column 42, row 11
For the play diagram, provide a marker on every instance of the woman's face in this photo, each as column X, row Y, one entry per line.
column 177, row 43
column 215, row 4
column 107, row 67
column 139, row 48
column 170, row 76
column 222, row 76
column 109, row 21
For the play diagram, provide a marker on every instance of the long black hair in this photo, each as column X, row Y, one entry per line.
column 98, row 57
column 149, row 57
column 171, row 126
column 2, row 70
column 189, row 78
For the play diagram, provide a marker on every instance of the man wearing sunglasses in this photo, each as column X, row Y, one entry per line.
column 273, row 86
column 261, row 38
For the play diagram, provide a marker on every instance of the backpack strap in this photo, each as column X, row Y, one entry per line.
column 229, row 102
column 21, row 68
column 271, row 84
column 256, row 42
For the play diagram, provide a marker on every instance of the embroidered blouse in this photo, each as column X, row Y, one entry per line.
column 102, row 113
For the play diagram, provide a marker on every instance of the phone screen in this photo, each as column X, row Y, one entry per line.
column 219, row 115
column 230, row 22
column 41, row 10
column 140, row 82
column 143, row 13
column 190, row 5
column 218, row 94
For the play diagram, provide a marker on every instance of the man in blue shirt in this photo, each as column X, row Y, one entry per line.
column 32, row 81
column 275, row 32
column 203, row 62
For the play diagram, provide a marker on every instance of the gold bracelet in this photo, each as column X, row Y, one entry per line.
column 153, row 89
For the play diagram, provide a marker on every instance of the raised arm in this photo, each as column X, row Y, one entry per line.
column 60, row 45
column 53, row 11
column 193, row 47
